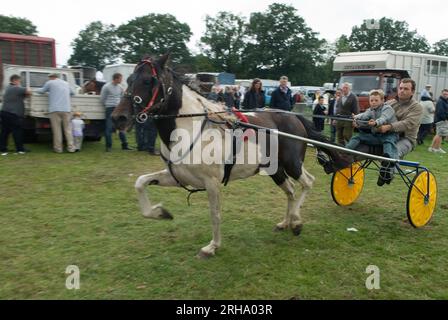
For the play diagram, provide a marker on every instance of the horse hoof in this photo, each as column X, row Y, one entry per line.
column 279, row 229
column 297, row 230
column 165, row 215
column 204, row 255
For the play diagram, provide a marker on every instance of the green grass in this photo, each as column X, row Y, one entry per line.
column 81, row 209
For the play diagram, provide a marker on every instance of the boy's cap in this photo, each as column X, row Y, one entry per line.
column 76, row 114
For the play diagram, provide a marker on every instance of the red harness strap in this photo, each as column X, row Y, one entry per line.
column 239, row 115
column 155, row 92
column 248, row 132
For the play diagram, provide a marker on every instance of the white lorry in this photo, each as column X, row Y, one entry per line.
column 126, row 69
column 383, row 70
column 36, row 106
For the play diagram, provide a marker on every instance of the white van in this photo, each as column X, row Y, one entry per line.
column 126, row 69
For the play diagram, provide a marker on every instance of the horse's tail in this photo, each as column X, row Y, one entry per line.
column 337, row 160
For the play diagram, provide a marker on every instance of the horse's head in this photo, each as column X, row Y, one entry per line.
column 90, row 87
column 151, row 90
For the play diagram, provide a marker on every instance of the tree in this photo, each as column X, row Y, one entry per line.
column 280, row 43
column 17, row 26
column 155, row 34
column 204, row 63
column 324, row 70
column 224, row 41
column 96, row 46
column 389, row 35
column 342, row 44
column 441, row 48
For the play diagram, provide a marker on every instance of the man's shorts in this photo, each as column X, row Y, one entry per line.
column 442, row 128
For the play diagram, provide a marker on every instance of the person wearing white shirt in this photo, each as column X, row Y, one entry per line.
column 78, row 131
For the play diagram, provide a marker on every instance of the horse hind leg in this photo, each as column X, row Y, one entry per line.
column 306, row 180
column 161, row 178
column 282, row 181
column 293, row 218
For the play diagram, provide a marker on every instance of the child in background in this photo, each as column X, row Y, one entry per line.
column 77, row 128
column 319, row 110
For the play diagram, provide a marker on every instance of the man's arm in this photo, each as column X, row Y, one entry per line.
column 355, row 105
column 103, row 94
column 25, row 91
column 272, row 99
column 440, row 111
column 44, row 89
column 412, row 120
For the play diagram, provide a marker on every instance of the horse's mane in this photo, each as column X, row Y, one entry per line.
column 186, row 81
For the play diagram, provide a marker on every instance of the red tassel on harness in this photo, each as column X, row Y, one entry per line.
column 239, row 115
column 249, row 132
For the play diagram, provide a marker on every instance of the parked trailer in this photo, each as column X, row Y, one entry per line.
column 36, row 106
column 27, row 50
column 384, row 69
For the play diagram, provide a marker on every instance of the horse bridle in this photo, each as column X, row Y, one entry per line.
column 143, row 115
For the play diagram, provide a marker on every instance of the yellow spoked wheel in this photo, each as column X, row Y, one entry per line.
column 422, row 199
column 347, row 184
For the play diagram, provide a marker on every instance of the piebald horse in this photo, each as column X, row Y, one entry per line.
column 156, row 91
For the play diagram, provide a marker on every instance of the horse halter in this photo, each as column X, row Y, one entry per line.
column 143, row 116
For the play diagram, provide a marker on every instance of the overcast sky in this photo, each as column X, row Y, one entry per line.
column 64, row 19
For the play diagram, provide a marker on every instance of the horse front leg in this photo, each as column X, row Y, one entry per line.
column 214, row 199
column 161, row 178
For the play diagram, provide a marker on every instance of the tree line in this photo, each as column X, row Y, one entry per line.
column 265, row 44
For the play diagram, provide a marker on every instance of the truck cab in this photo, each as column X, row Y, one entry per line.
column 363, row 82
column 35, row 77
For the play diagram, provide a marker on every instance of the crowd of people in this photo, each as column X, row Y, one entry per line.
column 397, row 125
column 63, row 122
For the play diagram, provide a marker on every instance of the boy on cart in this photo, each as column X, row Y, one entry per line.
column 377, row 115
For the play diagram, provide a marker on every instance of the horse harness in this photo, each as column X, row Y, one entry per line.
column 143, row 116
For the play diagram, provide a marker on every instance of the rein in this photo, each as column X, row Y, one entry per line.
column 192, row 115
column 143, row 116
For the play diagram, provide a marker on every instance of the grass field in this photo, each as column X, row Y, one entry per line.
column 81, row 209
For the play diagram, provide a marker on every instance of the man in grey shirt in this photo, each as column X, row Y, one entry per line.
column 111, row 95
column 59, row 108
column 12, row 114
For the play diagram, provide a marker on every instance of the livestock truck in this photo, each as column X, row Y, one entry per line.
column 384, row 69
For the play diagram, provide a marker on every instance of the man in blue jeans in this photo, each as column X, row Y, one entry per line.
column 146, row 135
column 12, row 115
column 111, row 95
